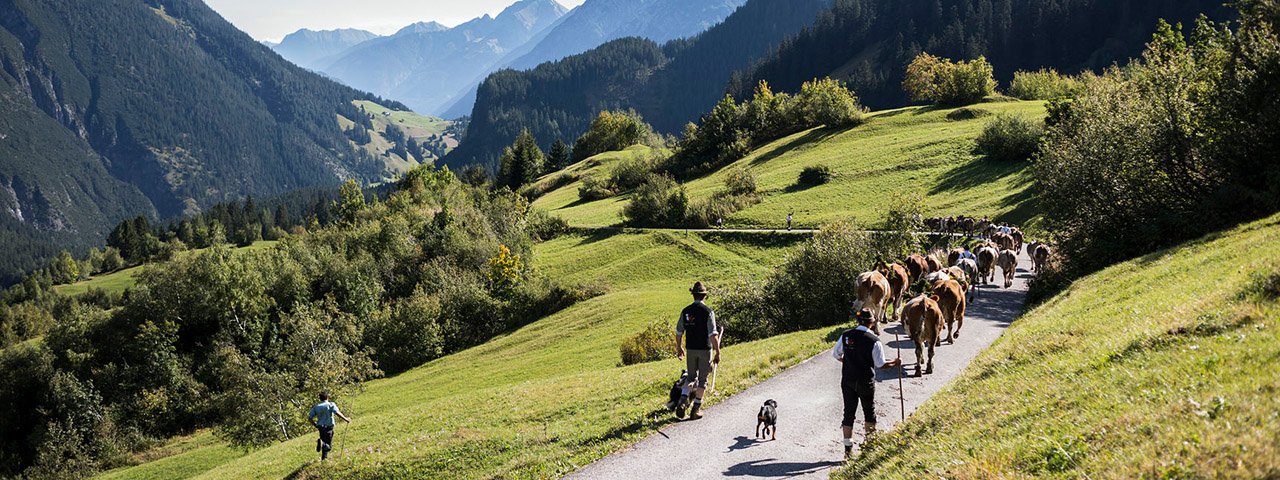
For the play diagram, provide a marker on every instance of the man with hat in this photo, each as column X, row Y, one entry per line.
column 861, row 353
column 696, row 340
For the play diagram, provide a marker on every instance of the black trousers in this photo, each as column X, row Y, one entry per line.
column 855, row 393
column 326, row 439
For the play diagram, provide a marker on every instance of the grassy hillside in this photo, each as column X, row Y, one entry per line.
column 119, row 281
column 1160, row 367
column 916, row 149
column 539, row 401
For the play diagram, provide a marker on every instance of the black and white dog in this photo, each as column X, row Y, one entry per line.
column 768, row 417
column 677, row 391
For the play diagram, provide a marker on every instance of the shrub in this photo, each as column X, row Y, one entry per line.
column 658, row 202
column 718, row 206
column 967, row 113
column 948, row 83
column 1043, row 84
column 740, row 181
column 630, row 173
column 544, row 226
column 1009, row 138
column 594, row 188
column 611, row 131
column 534, row 190
column 655, row 342
column 407, row 334
column 827, row 102
column 814, row 175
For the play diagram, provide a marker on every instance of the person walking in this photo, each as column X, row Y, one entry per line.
column 698, row 343
column 789, row 216
column 861, row 353
column 321, row 417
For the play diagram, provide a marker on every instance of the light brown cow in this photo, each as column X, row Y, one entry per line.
column 923, row 319
column 873, row 294
column 950, row 298
column 1041, row 257
column 987, row 264
column 916, row 267
column 898, row 278
column 932, row 261
column 970, row 269
column 1005, row 241
column 1009, row 265
column 1016, row 234
column 953, row 257
column 958, row 275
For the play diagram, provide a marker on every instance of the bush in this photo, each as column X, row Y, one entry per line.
column 967, row 113
column 630, row 173
column 720, row 205
column 655, row 342
column 1009, row 138
column 1043, row 84
column 740, row 181
column 814, row 175
column 544, row 226
column 407, row 334
column 594, row 188
column 827, row 102
column 611, row 131
column 949, row 83
column 537, row 189
column 659, row 202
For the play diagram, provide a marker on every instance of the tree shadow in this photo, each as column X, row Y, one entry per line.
column 594, row 235
column 808, row 139
column 918, row 110
column 978, row 173
column 773, row 468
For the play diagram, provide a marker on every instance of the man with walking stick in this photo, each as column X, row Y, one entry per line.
column 696, row 331
column 861, row 353
column 321, row 417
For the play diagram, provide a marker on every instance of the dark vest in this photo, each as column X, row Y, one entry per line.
column 697, row 320
column 858, row 366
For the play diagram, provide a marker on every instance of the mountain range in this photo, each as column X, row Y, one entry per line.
column 116, row 108
column 435, row 69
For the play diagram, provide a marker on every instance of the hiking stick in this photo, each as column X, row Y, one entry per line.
column 902, row 399
column 715, row 367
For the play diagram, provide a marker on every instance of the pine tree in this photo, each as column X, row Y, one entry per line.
column 558, row 157
column 522, row 162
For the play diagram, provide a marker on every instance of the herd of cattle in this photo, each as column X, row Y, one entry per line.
column 943, row 290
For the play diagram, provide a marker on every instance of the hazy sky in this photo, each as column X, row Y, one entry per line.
column 273, row 19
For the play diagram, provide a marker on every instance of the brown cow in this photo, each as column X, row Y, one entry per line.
column 1041, row 257
column 1005, row 241
column 987, row 264
column 953, row 257
column 932, row 261
column 898, row 278
column 923, row 319
column 970, row 269
column 1009, row 265
column 1016, row 234
column 916, row 267
column 951, row 301
column 873, row 294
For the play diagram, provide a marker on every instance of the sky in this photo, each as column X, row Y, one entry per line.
column 273, row 19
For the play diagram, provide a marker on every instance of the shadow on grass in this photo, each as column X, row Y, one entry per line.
column 593, row 235
column 758, row 239
column 978, row 173
column 809, row 138
column 920, row 110
column 774, row 468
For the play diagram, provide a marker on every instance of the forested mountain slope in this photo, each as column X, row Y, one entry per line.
column 124, row 107
column 864, row 42
column 668, row 84
column 868, row 42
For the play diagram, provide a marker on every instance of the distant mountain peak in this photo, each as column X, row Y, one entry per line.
column 422, row 27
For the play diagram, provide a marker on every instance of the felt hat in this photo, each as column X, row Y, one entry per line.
column 698, row 289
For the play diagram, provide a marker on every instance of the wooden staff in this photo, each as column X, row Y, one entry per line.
column 902, row 399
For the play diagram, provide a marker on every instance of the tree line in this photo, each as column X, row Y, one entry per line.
column 430, row 268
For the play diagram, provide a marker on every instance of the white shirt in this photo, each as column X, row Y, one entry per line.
column 877, row 351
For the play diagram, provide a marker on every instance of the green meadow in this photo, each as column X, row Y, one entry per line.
column 120, row 280
column 909, row 150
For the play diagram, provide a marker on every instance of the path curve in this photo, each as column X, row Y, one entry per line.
column 722, row 444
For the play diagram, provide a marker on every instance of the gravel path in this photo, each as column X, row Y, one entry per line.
column 722, row 444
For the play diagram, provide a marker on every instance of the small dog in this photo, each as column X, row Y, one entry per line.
column 768, row 417
column 678, row 390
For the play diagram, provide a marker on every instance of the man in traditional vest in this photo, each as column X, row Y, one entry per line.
column 861, row 353
column 698, row 342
